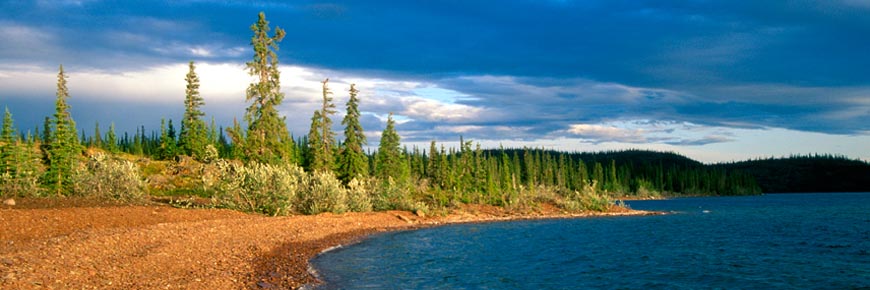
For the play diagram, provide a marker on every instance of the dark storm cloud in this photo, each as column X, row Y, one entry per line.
column 525, row 69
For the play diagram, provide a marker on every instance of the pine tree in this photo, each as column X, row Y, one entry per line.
column 352, row 160
column 111, row 143
column 314, row 156
column 237, row 137
column 434, row 165
column 19, row 169
column 63, row 148
column 389, row 160
column 598, row 176
column 46, row 133
column 194, row 136
column 321, row 139
column 267, row 139
column 97, row 142
column 582, row 175
column 8, row 140
column 167, row 147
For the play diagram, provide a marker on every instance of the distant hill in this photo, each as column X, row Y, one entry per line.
column 633, row 156
column 816, row 173
column 813, row 173
column 637, row 173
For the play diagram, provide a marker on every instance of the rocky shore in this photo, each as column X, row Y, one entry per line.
column 109, row 246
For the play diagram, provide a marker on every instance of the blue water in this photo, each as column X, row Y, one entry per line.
column 777, row 241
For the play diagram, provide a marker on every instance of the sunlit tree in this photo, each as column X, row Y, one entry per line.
column 194, row 136
column 64, row 150
column 389, row 160
column 352, row 161
column 266, row 139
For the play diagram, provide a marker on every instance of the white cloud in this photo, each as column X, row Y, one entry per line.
column 607, row 133
column 435, row 111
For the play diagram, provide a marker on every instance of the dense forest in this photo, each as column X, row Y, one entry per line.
column 810, row 173
column 258, row 165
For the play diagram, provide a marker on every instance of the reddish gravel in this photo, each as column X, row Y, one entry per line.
column 135, row 247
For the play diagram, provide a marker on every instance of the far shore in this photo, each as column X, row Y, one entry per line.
column 156, row 246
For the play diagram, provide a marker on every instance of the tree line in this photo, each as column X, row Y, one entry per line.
column 50, row 160
column 806, row 173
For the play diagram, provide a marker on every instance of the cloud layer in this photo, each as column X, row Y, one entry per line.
column 668, row 73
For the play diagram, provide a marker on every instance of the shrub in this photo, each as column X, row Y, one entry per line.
column 209, row 155
column 108, row 177
column 20, row 184
column 324, row 193
column 392, row 195
column 585, row 199
column 645, row 188
column 262, row 188
column 359, row 194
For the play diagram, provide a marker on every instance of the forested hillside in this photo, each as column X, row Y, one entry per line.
column 812, row 173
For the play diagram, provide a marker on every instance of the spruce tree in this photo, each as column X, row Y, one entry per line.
column 8, row 140
column 111, row 143
column 194, row 135
column 63, row 148
column 19, row 169
column 46, row 133
column 327, row 136
column 97, row 142
column 314, row 156
column 267, row 139
column 433, row 166
column 321, row 139
column 352, row 160
column 389, row 160
column 167, row 147
column 598, row 177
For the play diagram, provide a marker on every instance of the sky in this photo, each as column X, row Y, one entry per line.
column 717, row 81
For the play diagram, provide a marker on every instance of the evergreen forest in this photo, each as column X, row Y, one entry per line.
column 257, row 165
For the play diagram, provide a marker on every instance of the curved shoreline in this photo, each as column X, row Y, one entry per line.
column 162, row 247
column 460, row 218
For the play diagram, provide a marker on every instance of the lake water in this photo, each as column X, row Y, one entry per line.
column 777, row 241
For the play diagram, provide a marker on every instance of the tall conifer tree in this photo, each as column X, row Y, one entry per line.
column 111, row 143
column 314, row 156
column 97, row 142
column 389, row 162
column 8, row 140
column 194, row 135
column 63, row 148
column 321, row 139
column 352, row 161
column 267, row 139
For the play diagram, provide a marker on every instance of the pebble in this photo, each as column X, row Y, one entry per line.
column 9, row 202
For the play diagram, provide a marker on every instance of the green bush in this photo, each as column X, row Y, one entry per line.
column 392, row 195
column 20, row 184
column 262, row 188
column 108, row 177
column 359, row 194
column 324, row 193
column 587, row 198
column 645, row 188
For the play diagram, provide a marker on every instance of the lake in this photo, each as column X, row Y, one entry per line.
column 778, row 241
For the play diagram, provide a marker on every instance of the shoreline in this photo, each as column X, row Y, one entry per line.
column 148, row 246
column 456, row 219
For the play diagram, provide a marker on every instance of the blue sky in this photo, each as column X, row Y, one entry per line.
column 714, row 80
